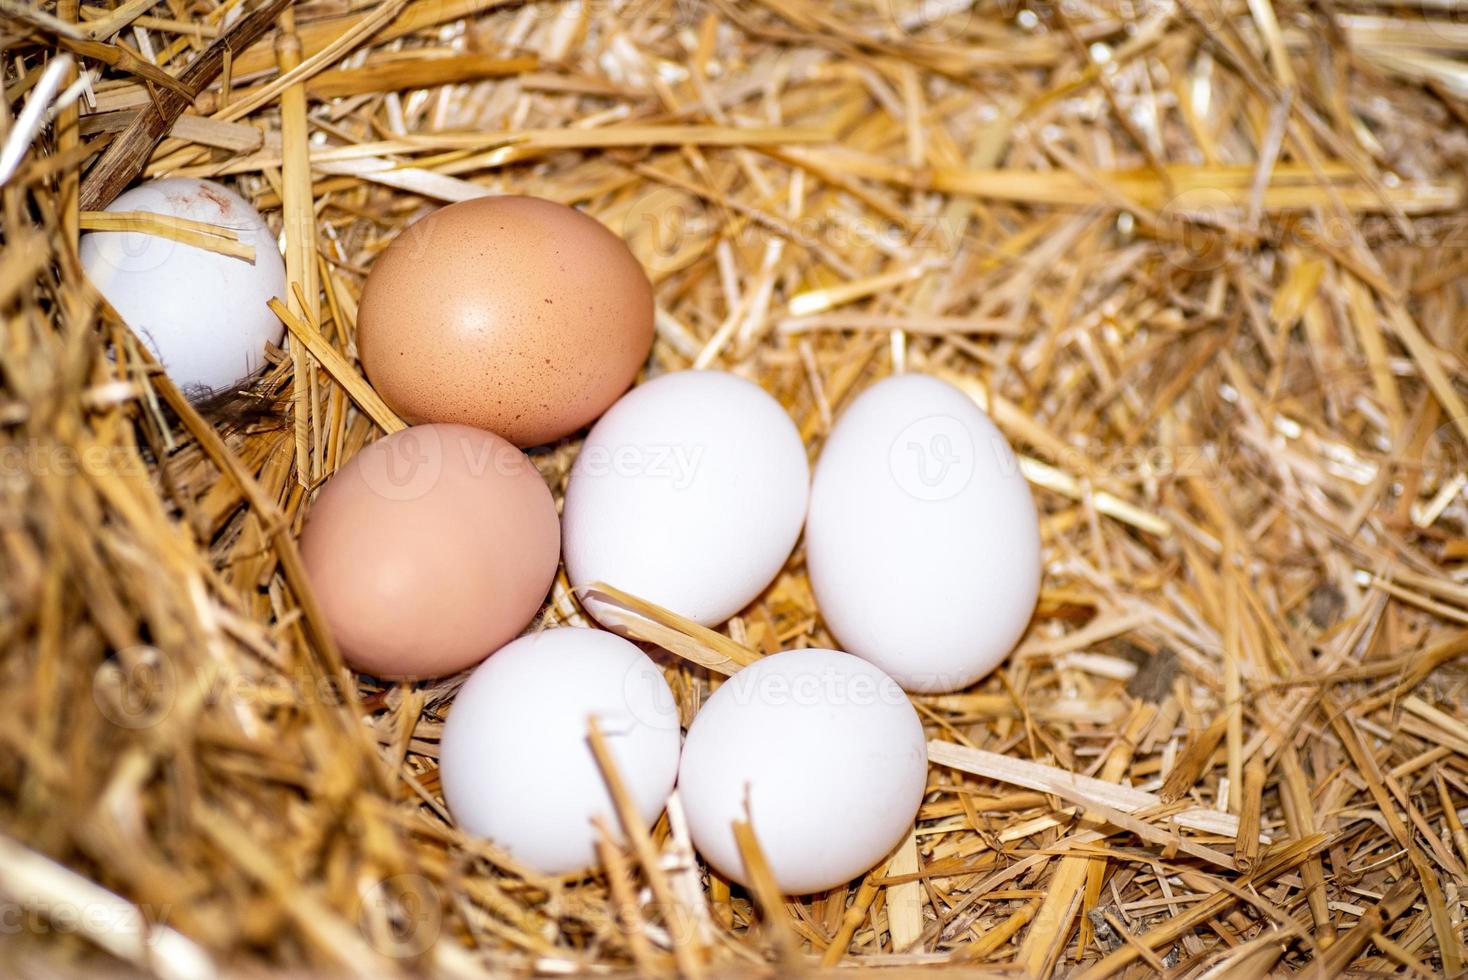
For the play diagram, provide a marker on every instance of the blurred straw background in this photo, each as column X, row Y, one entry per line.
column 1201, row 260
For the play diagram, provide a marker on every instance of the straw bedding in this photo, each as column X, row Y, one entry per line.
column 1201, row 261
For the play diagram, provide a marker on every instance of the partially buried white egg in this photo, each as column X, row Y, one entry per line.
column 201, row 313
column 514, row 758
column 922, row 542
column 821, row 752
column 689, row 493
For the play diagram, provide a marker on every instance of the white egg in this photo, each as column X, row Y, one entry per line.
column 514, row 759
column 201, row 313
column 689, row 493
column 821, row 752
column 922, row 543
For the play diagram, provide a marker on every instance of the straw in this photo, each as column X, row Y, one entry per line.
column 1202, row 265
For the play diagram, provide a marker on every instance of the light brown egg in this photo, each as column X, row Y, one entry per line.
column 513, row 314
column 430, row 549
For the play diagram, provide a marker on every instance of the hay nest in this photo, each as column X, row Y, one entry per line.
column 1201, row 261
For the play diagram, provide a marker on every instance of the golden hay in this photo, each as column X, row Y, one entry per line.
column 1202, row 262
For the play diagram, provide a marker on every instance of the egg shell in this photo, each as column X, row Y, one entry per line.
column 429, row 549
column 513, row 314
column 202, row 314
column 688, row 493
column 922, row 542
column 828, row 752
column 514, row 759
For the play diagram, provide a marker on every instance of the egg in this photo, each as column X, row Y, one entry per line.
column 922, row 542
column 827, row 755
column 688, row 493
column 513, row 314
column 201, row 314
column 514, row 759
column 429, row 549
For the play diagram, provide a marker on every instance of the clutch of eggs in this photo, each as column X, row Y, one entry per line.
column 202, row 314
column 509, row 321
column 434, row 547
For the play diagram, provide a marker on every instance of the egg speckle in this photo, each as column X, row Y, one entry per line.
column 482, row 313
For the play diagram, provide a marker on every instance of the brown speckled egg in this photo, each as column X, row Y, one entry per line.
column 430, row 549
column 513, row 314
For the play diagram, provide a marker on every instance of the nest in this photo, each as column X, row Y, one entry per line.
column 1201, row 261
